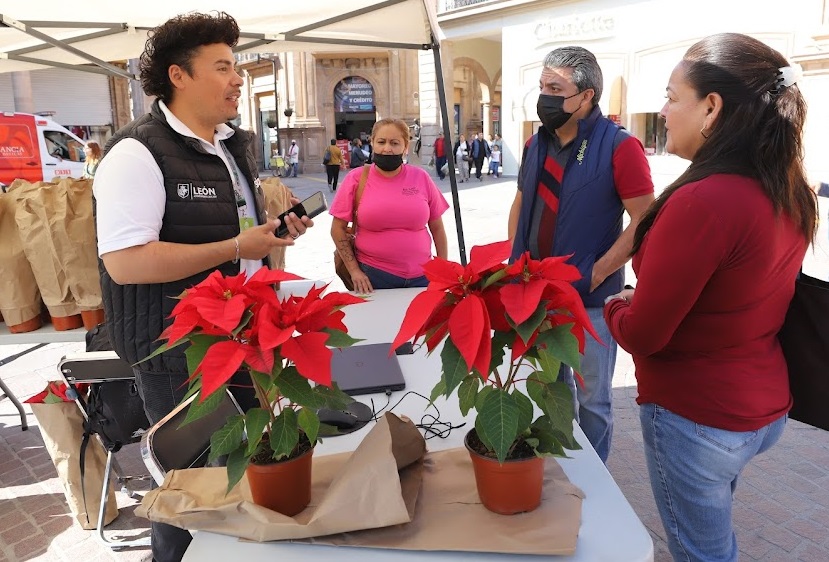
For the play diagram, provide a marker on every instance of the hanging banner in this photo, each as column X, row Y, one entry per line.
column 353, row 94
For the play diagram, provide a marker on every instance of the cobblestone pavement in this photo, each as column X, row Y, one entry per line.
column 781, row 508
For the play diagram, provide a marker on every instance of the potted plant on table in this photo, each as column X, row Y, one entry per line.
column 531, row 309
column 234, row 323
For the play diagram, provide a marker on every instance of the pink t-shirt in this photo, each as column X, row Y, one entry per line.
column 393, row 214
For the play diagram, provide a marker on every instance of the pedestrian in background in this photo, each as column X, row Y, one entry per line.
column 93, row 153
column 333, row 159
column 716, row 259
column 440, row 155
column 293, row 158
column 494, row 161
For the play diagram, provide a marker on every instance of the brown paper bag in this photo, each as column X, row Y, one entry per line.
column 350, row 491
column 277, row 201
column 19, row 296
column 61, row 426
column 41, row 206
column 439, row 495
column 76, row 231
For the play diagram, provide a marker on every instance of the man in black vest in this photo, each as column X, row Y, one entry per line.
column 177, row 197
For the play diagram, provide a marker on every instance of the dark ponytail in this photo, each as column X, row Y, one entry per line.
column 759, row 132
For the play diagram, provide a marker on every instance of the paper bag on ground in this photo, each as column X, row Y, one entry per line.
column 351, row 491
column 40, row 207
column 277, row 201
column 61, row 426
column 20, row 298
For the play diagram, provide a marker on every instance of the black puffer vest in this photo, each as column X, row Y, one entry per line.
column 200, row 208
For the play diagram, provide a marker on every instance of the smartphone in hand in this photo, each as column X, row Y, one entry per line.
column 310, row 207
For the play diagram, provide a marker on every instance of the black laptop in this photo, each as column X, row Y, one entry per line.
column 366, row 369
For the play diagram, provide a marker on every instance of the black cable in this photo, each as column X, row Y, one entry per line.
column 430, row 424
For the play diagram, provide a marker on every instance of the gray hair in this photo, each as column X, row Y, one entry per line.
column 586, row 71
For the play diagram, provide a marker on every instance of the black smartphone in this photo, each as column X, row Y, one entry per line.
column 310, row 207
column 405, row 349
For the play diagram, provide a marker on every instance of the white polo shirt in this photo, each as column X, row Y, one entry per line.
column 130, row 194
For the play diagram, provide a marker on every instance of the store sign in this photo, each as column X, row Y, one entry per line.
column 577, row 28
column 495, row 113
column 353, row 94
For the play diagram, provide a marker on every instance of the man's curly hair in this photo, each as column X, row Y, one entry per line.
column 175, row 42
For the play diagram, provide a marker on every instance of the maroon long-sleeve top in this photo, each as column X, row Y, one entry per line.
column 715, row 275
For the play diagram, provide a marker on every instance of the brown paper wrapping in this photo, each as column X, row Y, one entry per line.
column 360, row 499
column 277, row 201
column 77, row 230
column 61, row 426
column 58, row 236
column 19, row 295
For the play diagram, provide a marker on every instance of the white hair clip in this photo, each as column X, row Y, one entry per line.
column 787, row 76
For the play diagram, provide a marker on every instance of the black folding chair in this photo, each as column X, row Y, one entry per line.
column 114, row 414
column 168, row 445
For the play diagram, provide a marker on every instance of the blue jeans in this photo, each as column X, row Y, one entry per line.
column 380, row 279
column 440, row 161
column 594, row 411
column 693, row 470
column 294, row 169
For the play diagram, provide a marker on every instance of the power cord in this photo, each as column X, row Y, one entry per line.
column 431, row 425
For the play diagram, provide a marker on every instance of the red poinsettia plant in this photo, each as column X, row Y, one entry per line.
column 530, row 308
column 234, row 323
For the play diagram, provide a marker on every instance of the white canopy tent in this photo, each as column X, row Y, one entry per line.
column 48, row 33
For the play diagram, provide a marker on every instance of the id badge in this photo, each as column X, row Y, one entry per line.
column 245, row 223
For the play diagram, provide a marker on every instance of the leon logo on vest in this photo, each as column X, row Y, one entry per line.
column 190, row 191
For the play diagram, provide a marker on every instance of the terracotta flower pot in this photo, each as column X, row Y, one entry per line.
column 284, row 487
column 509, row 488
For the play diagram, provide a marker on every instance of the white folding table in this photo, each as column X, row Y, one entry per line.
column 610, row 530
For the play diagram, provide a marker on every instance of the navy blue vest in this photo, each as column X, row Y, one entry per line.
column 590, row 211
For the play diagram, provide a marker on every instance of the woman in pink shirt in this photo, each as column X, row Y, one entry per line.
column 397, row 205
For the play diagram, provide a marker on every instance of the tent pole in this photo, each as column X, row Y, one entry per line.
column 450, row 158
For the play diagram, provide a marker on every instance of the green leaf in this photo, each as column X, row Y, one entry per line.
column 339, row 339
column 552, row 440
column 243, row 322
column 297, row 389
column 535, row 388
column 52, row 398
column 284, row 434
column 255, row 421
column 561, row 344
column 479, row 430
column 237, row 462
column 310, row 424
column 193, row 387
column 438, row 390
column 482, row 395
column 454, row 367
column 499, row 422
column 199, row 410
column 494, row 278
column 528, row 327
column 557, row 403
column 163, row 348
column 549, row 365
column 525, row 410
column 467, row 392
column 228, row 438
column 332, row 397
column 199, row 344
column 500, row 341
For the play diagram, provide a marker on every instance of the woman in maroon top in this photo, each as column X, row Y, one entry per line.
column 716, row 258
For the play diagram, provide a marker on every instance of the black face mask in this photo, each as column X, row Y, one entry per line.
column 551, row 111
column 388, row 162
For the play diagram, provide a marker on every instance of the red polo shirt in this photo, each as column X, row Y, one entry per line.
column 715, row 275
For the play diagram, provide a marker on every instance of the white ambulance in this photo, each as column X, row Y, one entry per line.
column 35, row 148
